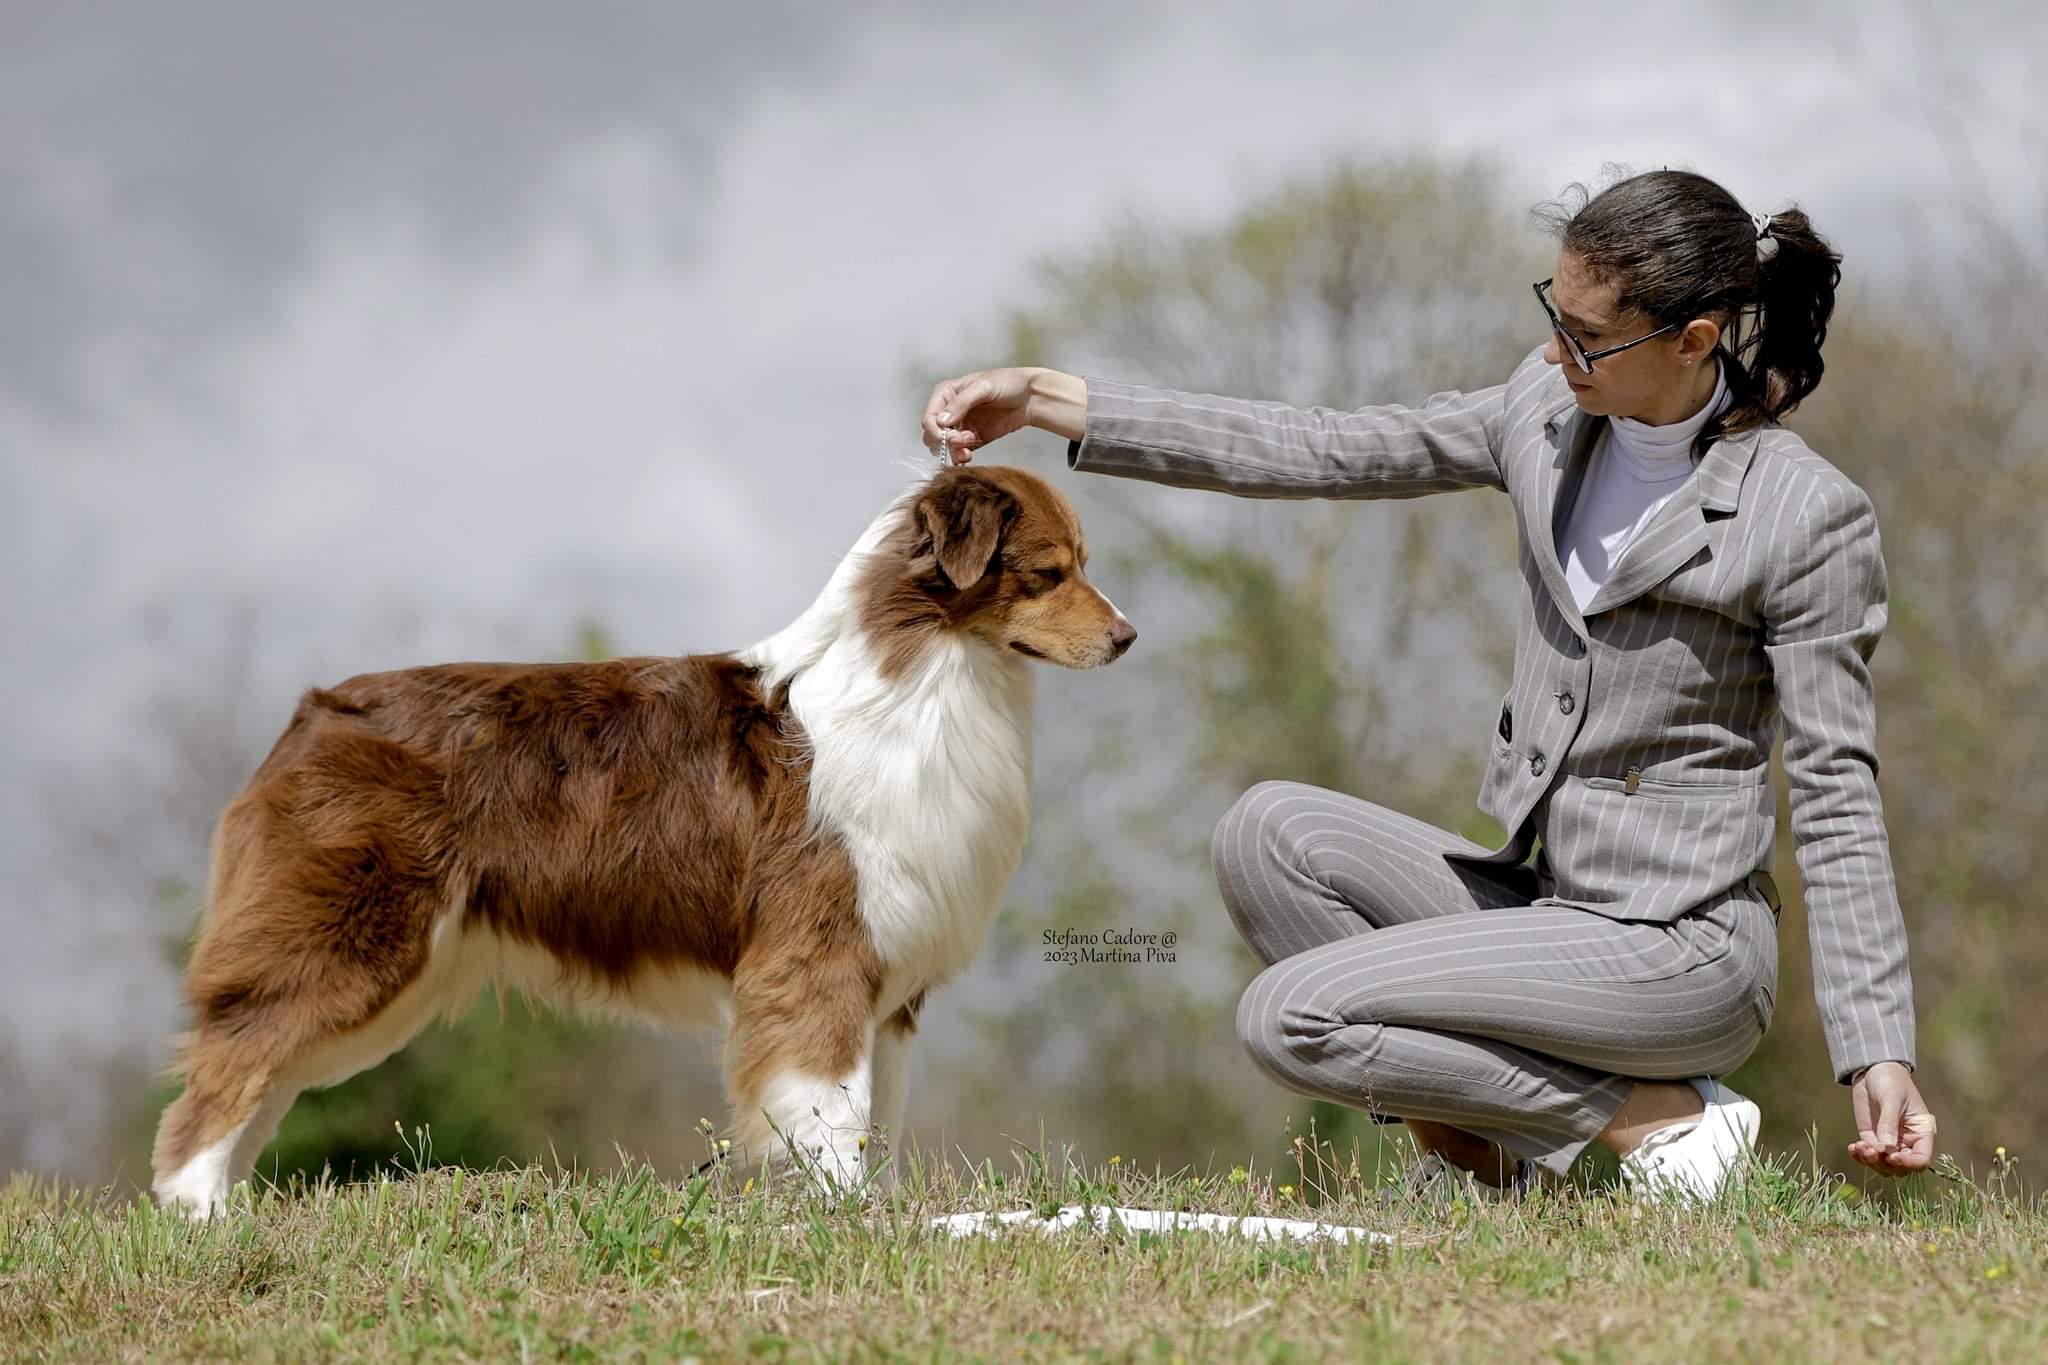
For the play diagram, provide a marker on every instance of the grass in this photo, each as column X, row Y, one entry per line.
column 452, row 1264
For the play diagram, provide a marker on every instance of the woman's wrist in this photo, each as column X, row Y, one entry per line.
column 1057, row 402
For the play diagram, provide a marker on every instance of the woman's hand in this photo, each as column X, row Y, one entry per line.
column 1897, row 1128
column 977, row 408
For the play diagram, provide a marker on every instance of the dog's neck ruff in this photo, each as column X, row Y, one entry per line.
column 924, row 772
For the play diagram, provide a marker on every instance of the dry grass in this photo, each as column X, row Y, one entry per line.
column 527, row 1264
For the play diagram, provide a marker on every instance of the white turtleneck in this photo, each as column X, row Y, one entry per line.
column 1634, row 469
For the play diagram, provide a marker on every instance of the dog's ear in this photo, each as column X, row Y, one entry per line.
column 964, row 516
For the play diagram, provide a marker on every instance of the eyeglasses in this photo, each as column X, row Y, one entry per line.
column 1582, row 357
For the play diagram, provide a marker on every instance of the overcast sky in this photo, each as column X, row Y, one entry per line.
column 506, row 313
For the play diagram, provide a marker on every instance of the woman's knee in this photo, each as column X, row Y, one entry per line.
column 1241, row 833
column 1245, row 854
column 1281, row 1031
column 1258, row 1028
column 1250, row 842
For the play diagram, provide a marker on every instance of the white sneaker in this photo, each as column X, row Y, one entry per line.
column 1693, row 1159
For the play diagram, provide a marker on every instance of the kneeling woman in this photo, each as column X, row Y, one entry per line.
column 1690, row 572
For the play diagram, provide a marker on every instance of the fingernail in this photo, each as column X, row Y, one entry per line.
column 946, row 416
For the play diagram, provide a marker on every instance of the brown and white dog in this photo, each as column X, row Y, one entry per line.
column 794, row 842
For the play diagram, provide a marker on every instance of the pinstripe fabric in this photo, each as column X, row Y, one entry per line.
column 1755, row 595
column 1412, row 986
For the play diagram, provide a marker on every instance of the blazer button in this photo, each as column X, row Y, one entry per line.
column 1536, row 766
column 1564, row 702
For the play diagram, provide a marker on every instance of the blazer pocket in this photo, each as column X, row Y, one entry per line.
column 1666, row 789
column 1657, row 852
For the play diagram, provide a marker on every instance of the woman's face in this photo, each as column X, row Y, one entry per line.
column 1645, row 379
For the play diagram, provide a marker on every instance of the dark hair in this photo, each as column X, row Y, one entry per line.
column 1678, row 246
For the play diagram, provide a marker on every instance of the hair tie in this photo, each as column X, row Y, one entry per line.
column 1766, row 245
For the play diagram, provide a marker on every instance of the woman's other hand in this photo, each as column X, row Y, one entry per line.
column 1896, row 1127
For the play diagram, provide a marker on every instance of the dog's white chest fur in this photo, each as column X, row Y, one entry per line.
column 927, row 779
column 925, row 775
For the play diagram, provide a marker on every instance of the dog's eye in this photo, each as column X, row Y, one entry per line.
column 1044, row 580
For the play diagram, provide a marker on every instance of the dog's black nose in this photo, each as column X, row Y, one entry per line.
column 1120, row 636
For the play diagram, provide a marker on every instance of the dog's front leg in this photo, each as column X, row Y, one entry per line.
column 799, row 1072
column 822, row 1122
column 892, row 1091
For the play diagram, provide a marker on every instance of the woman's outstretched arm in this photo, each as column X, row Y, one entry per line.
column 1248, row 447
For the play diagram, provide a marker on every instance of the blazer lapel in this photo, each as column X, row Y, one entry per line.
column 1571, row 433
column 1679, row 530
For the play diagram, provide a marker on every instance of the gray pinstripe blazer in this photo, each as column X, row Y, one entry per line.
column 1635, row 739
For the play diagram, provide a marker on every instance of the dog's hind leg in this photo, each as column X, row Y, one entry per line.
column 209, row 1137
column 242, row 1080
column 301, row 977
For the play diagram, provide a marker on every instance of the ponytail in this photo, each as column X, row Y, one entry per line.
column 1795, row 296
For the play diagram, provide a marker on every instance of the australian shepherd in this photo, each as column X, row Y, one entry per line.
column 793, row 843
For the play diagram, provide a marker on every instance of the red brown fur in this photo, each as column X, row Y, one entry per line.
column 619, row 818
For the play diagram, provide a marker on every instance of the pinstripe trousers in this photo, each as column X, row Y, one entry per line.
column 1411, row 986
